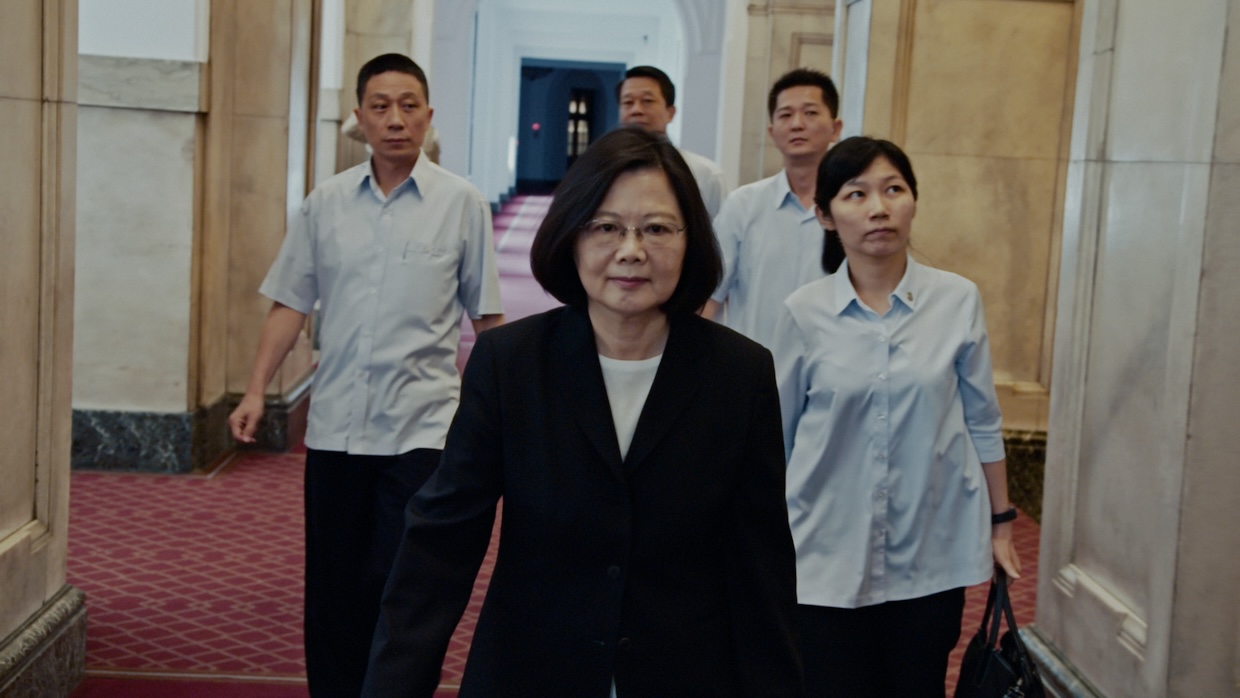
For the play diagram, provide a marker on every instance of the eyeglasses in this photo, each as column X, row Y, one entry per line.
column 610, row 233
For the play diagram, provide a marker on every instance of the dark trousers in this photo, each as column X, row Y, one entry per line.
column 899, row 648
column 355, row 507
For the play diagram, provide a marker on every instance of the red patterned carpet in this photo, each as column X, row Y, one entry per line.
column 194, row 583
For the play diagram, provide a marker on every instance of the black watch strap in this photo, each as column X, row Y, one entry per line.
column 1003, row 516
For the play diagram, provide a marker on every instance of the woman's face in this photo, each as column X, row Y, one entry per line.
column 873, row 212
column 625, row 274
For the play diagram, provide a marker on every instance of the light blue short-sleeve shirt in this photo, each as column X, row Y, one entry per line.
column 887, row 420
column 393, row 276
column 771, row 246
column 709, row 178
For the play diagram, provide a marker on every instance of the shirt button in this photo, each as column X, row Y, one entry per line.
column 625, row 644
column 882, row 338
column 613, row 572
column 882, row 456
column 881, row 417
column 882, row 376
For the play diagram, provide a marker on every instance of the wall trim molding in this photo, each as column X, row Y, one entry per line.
column 142, row 83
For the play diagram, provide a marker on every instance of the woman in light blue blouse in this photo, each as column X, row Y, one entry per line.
column 896, row 482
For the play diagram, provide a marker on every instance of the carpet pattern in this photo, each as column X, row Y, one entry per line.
column 194, row 583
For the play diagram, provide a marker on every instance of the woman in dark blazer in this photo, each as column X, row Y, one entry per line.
column 644, row 546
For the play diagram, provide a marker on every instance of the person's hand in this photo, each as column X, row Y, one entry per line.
column 1004, row 549
column 243, row 421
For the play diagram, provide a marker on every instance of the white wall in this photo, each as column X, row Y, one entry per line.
column 166, row 29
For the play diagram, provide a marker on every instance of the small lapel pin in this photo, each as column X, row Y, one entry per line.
column 909, row 295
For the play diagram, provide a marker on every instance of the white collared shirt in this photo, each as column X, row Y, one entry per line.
column 771, row 245
column 709, row 178
column 393, row 276
column 887, row 421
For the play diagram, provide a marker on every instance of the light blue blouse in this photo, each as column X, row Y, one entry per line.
column 887, row 421
column 393, row 276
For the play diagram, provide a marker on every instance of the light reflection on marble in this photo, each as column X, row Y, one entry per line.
column 1136, row 372
column 139, row 83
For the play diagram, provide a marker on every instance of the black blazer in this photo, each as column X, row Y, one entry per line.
column 672, row 571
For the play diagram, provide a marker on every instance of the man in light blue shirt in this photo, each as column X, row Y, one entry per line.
column 647, row 100
column 771, row 241
column 394, row 251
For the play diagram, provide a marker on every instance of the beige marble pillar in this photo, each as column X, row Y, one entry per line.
column 1138, row 577
column 42, row 620
column 259, row 136
column 783, row 34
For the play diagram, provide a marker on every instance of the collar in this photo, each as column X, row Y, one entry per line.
column 782, row 194
column 419, row 175
column 908, row 292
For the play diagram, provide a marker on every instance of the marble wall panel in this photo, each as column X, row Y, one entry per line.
column 990, row 219
column 22, row 47
column 1205, row 640
column 263, row 44
column 1163, row 102
column 1227, row 137
column 380, row 16
column 771, row 52
column 1145, row 289
column 19, row 310
column 136, row 190
column 955, row 102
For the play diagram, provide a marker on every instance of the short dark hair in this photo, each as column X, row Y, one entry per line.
column 805, row 77
column 649, row 71
column 848, row 159
column 388, row 63
column 626, row 149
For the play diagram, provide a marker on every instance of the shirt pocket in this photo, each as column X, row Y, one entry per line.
column 421, row 251
column 426, row 273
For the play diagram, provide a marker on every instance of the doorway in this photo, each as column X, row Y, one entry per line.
column 564, row 106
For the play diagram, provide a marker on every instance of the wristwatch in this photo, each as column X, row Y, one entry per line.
column 1003, row 516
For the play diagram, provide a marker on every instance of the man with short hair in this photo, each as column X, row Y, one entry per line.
column 394, row 250
column 770, row 238
column 647, row 100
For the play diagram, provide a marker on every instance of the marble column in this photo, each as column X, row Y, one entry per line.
column 42, row 619
column 258, row 166
column 1138, row 571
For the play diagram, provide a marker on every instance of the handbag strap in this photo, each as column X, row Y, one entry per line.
column 997, row 604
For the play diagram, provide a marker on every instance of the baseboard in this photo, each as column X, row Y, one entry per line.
column 47, row 655
column 1059, row 677
column 180, row 442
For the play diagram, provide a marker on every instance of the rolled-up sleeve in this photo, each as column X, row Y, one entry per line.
column 977, row 384
column 789, row 350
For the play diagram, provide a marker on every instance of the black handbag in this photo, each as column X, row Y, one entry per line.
column 994, row 667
